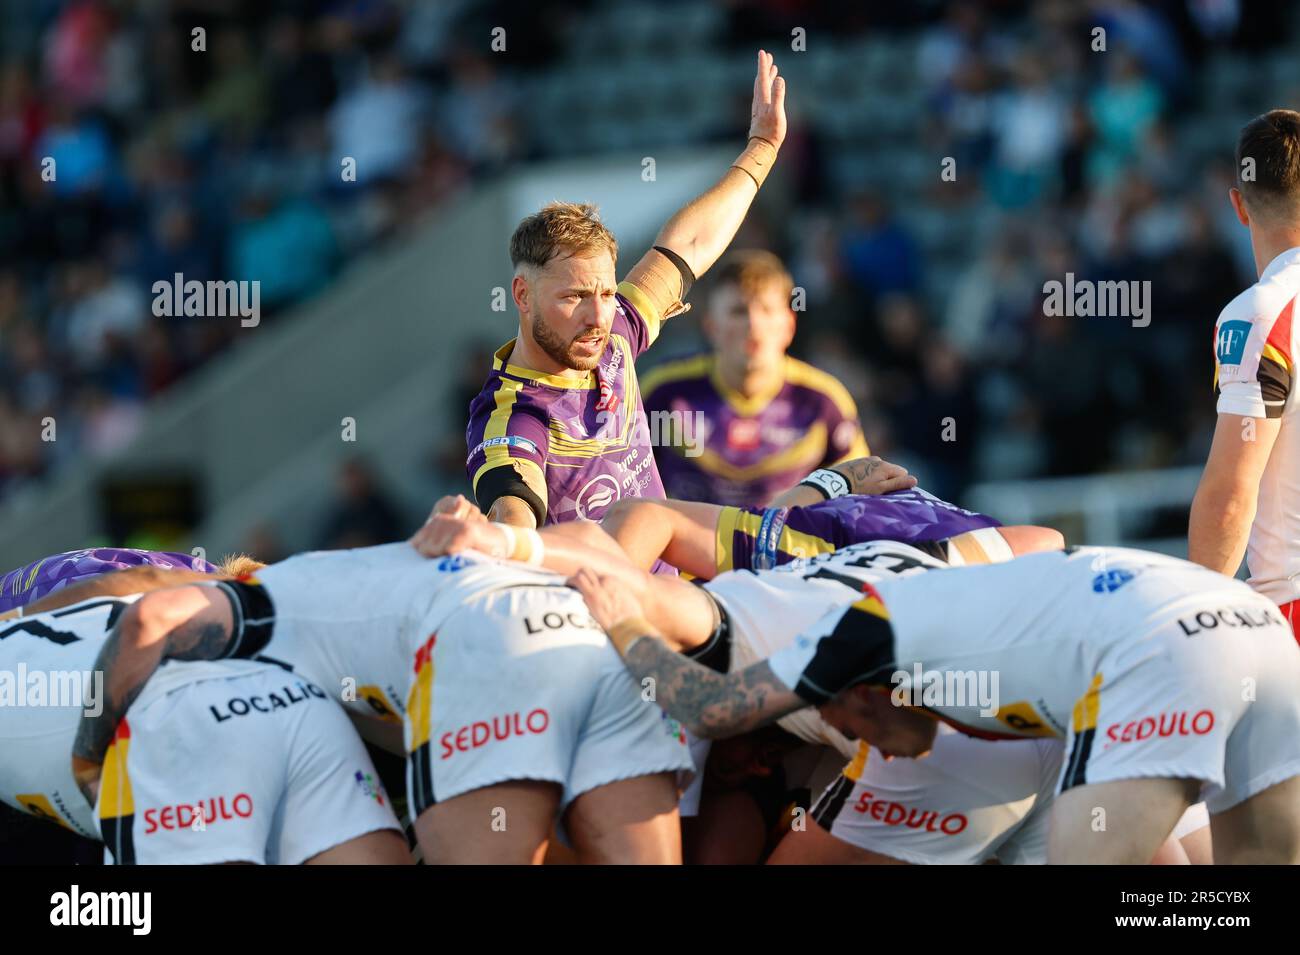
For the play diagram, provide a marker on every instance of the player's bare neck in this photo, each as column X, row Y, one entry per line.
column 1269, row 243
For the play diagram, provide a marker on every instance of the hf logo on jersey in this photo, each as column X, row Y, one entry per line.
column 1230, row 342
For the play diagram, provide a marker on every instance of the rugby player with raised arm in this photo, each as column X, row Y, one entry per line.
column 558, row 431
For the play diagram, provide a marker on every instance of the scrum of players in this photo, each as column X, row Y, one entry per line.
column 541, row 686
column 969, row 692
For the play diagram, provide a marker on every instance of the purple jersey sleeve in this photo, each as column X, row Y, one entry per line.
column 508, row 441
column 43, row 577
column 758, row 539
column 634, row 319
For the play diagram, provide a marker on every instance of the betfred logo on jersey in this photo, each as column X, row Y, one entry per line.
column 198, row 816
column 608, row 399
column 896, row 814
column 1182, row 723
column 744, row 434
column 482, row 732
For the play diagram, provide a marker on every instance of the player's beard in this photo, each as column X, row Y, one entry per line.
column 560, row 349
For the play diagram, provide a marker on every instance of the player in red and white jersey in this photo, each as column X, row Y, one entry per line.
column 1249, row 496
column 283, row 779
column 516, row 712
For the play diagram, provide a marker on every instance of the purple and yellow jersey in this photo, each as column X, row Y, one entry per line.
column 568, row 447
column 43, row 577
column 738, row 451
column 751, row 538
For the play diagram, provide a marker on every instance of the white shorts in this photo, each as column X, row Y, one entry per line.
column 256, row 767
column 1196, row 818
column 1197, row 694
column 969, row 800
column 521, row 683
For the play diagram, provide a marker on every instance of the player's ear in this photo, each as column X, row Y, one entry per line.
column 1239, row 205
column 520, row 292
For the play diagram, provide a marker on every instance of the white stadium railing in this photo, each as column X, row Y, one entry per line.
column 1099, row 509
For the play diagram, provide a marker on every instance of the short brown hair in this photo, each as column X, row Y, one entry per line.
column 1272, row 141
column 560, row 229
column 237, row 565
column 753, row 270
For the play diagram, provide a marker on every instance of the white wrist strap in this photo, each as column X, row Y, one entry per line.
column 831, row 483
column 522, row 544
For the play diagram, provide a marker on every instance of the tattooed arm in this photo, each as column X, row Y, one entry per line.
column 709, row 704
column 181, row 623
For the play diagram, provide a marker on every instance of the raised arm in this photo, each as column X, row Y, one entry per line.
column 697, row 235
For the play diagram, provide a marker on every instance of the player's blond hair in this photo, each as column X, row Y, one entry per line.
column 560, row 229
column 237, row 565
column 1271, row 143
column 753, row 271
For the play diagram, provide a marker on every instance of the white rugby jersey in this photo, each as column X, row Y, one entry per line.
column 768, row 609
column 46, row 679
column 1254, row 354
column 1055, row 629
column 353, row 621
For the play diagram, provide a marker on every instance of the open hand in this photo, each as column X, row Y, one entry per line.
column 767, row 115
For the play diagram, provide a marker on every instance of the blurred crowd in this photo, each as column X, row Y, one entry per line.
column 133, row 148
column 226, row 165
column 1066, row 162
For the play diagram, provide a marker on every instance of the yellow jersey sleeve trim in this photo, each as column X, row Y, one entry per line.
column 641, row 302
column 730, row 521
column 802, row 544
column 1272, row 352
